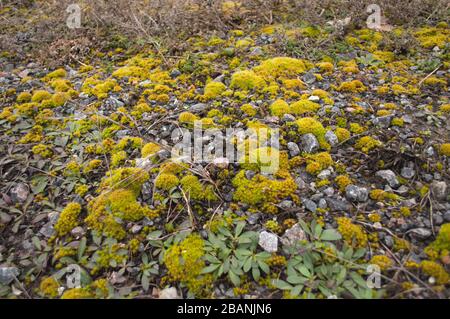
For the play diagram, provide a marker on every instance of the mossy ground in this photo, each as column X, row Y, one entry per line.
column 89, row 142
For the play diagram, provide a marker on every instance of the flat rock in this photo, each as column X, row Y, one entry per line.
column 268, row 241
column 356, row 193
column 389, row 176
column 309, row 143
column 293, row 235
column 7, row 274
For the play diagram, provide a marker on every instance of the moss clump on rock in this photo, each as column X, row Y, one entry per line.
column 68, row 219
column 279, row 108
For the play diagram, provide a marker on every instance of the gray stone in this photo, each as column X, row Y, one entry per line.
column 268, row 241
column 314, row 98
column 136, row 229
column 293, row 148
column 388, row 241
column 429, row 151
column 447, row 216
column 286, row 204
column 407, row 172
column 197, row 108
column 257, row 51
column 309, row 143
column 293, row 235
column 7, row 274
column 329, row 191
column 322, row 203
column 389, row 176
column 301, row 183
column 338, row 204
column 249, row 174
column 439, row 189
column 252, row 219
column 331, row 138
column 169, row 293
column 325, row 174
column 438, row 219
column 19, row 193
column 310, row 205
column 175, row 73
column 309, row 78
column 77, row 232
column 288, row 118
column 356, row 193
column 47, row 230
column 420, row 233
column 144, row 162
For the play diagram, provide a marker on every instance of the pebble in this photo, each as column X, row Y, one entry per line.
column 338, row 204
column 331, row 138
column 356, row 193
column 197, row 108
column 309, row 143
column 310, row 205
column 293, row 148
column 439, row 189
column 7, row 274
column 420, row 233
column 407, row 172
column 268, row 241
column 389, row 176
column 169, row 293
column 19, row 193
column 293, row 235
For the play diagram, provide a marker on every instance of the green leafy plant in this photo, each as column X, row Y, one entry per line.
column 234, row 253
column 318, row 266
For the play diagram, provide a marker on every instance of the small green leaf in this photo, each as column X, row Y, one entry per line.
column 330, row 234
column 281, row 284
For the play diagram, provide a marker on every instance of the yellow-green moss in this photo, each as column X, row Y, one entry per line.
column 40, row 95
column 367, row 143
column 318, row 162
column 430, row 37
column 246, row 80
column 444, row 149
column 45, row 151
column 342, row 134
column 304, row 106
column 166, row 181
column 214, row 90
column 249, row 109
column 382, row 261
column 280, row 67
column 279, row 108
column 352, row 234
column 342, row 182
column 352, row 86
column 196, row 191
column 23, row 97
column 68, row 219
column 110, row 205
column 49, row 287
column 128, row 178
column 325, row 66
column 118, row 158
column 440, row 247
column 58, row 73
column 435, row 270
column 184, row 262
column 262, row 191
column 310, row 125
column 445, row 108
column 150, row 149
column 187, row 118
